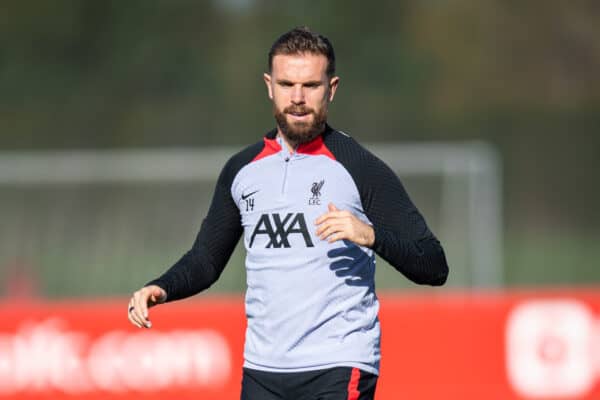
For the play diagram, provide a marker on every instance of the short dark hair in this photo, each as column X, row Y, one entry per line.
column 303, row 40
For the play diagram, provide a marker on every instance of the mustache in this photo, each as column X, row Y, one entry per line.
column 298, row 110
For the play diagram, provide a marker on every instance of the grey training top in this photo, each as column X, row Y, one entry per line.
column 310, row 304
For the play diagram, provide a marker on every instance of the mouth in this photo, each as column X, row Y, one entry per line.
column 299, row 115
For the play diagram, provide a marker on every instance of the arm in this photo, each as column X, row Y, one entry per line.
column 402, row 237
column 399, row 233
column 202, row 265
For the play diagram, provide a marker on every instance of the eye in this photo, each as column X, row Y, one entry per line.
column 285, row 84
column 312, row 85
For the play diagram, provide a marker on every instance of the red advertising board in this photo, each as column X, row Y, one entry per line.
column 475, row 345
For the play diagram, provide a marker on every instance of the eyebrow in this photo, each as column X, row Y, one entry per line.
column 308, row 83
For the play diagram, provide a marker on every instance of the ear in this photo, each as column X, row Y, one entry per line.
column 267, row 79
column 333, row 84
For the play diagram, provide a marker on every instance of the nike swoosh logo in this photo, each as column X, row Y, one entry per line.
column 245, row 196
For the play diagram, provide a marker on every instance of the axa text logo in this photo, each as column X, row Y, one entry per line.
column 278, row 229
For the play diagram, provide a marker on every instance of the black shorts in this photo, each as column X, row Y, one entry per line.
column 340, row 383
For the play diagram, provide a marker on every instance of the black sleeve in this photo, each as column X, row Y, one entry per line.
column 402, row 237
column 219, row 233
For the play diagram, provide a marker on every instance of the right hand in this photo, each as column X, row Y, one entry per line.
column 141, row 301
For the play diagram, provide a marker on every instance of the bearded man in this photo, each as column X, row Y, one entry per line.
column 314, row 207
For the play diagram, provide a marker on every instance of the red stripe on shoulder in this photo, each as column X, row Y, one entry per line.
column 353, row 393
column 315, row 147
column 271, row 147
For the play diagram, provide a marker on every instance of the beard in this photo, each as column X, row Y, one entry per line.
column 299, row 132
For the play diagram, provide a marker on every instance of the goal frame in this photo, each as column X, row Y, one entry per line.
column 478, row 162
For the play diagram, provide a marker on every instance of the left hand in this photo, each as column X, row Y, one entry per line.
column 338, row 225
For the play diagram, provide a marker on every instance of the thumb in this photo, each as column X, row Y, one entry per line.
column 332, row 207
column 157, row 295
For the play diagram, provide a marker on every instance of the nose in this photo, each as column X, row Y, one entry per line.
column 298, row 95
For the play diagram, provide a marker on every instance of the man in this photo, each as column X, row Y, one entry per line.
column 313, row 207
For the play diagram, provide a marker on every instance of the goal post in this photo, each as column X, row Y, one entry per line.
column 479, row 164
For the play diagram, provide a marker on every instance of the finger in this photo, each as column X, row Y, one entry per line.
column 145, row 319
column 334, row 237
column 129, row 310
column 141, row 307
column 321, row 228
column 331, row 229
column 328, row 224
column 137, row 317
column 158, row 296
column 330, row 215
column 133, row 320
column 332, row 207
column 338, row 229
column 143, row 303
column 131, row 314
column 322, row 218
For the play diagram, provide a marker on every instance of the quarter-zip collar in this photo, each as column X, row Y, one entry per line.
column 285, row 151
column 275, row 144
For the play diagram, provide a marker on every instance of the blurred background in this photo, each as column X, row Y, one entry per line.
column 116, row 118
column 521, row 77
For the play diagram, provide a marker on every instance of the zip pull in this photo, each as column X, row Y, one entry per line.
column 285, row 173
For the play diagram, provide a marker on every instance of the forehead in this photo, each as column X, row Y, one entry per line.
column 299, row 67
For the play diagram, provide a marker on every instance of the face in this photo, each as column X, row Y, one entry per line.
column 301, row 91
